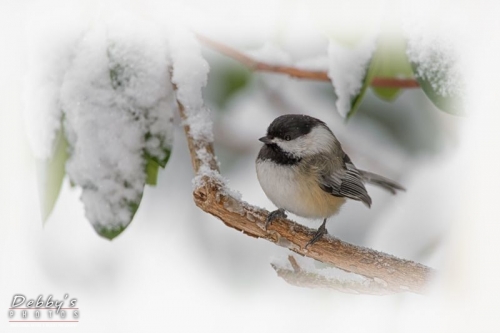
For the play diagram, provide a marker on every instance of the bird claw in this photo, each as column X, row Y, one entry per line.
column 321, row 231
column 279, row 213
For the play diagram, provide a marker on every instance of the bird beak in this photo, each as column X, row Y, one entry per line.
column 266, row 140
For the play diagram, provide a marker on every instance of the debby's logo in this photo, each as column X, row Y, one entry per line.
column 43, row 310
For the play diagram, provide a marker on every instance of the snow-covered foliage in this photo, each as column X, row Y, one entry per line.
column 115, row 101
column 347, row 69
column 118, row 104
column 432, row 48
column 436, row 63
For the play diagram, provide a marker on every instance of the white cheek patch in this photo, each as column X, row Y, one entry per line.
column 295, row 147
column 319, row 140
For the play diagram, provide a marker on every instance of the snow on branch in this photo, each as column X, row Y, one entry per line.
column 304, row 278
column 391, row 274
column 253, row 64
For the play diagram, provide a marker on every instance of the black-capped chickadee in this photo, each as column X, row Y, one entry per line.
column 303, row 170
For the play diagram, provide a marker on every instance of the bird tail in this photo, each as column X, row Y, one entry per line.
column 383, row 182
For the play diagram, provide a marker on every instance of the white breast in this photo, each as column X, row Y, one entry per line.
column 278, row 183
column 299, row 195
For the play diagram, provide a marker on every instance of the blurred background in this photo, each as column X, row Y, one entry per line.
column 177, row 268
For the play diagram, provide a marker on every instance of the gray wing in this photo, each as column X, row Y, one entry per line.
column 346, row 181
column 385, row 183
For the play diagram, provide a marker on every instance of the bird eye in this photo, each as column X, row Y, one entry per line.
column 288, row 138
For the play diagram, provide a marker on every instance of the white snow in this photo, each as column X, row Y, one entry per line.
column 434, row 42
column 437, row 61
column 237, row 278
column 271, row 54
column 347, row 69
column 205, row 171
column 189, row 74
column 312, row 266
column 118, row 105
column 51, row 40
column 110, row 85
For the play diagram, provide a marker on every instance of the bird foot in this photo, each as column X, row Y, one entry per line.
column 279, row 213
column 321, row 231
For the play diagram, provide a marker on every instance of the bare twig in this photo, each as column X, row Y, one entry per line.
column 392, row 82
column 295, row 265
column 301, row 278
column 394, row 274
column 381, row 82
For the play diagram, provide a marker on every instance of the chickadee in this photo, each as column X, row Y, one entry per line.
column 303, row 170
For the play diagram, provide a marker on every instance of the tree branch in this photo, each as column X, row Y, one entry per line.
column 212, row 196
column 381, row 82
column 302, row 278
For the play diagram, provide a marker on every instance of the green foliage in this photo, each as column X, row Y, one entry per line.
column 229, row 79
column 110, row 233
column 356, row 102
column 151, row 171
column 52, row 170
column 117, row 76
column 450, row 103
column 51, row 175
column 152, row 166
column 121, row 74
column 390, row 61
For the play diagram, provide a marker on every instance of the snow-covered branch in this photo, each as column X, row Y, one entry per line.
column 211, row 195
column 314, row 279
column 253, row 64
